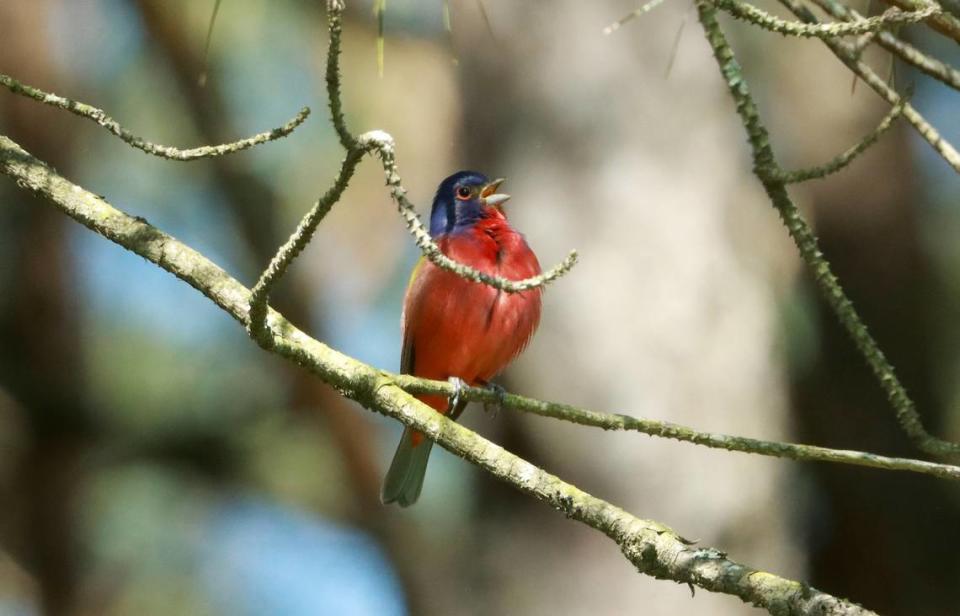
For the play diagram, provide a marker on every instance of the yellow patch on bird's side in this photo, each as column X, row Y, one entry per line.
column 416, row 270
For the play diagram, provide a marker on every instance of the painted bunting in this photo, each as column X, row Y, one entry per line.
column 454, row 328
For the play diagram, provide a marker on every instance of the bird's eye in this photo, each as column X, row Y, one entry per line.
column 463, row 193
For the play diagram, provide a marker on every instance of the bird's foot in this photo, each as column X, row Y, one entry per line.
column 458, row 387
column 494, row 407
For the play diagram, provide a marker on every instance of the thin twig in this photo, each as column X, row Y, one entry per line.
column 164, row 151
column 842, row 160
column 382, row 144
column 666, row 429
column 646, row 8
column 905, row 51
column 769, row 173
column 748, row 12
column 206, row 45
column 945, row 23
column 335, row 31
column 295, row 245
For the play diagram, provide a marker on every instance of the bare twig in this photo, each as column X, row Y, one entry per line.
column 164, row 151
column 382, row 144
column 842, row 160
column 748, row 12
column 295, row 245
column 666, row 429
column 944, row 23
column 905, row 51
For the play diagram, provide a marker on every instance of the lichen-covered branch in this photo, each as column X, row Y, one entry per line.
column 295, row 245
column 653, row 548
column 895, row 45
column 666, row 429
column 163, row 151
column 845, row 158
column 748, row 12
column 851, row 59
column 944, row 23
column 770, row 175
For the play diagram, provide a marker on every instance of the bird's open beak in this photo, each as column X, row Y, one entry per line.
column 489, row 195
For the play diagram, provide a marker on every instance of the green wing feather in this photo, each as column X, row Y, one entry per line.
column 404, row 480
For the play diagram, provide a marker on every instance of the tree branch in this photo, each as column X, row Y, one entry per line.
column 944, row 23
column 748, row 12
column 840, row 161
column 905, row 51
column 851, row 59
column 163, row 151
column 666, row 429
column 771, row 177
column 653, row 548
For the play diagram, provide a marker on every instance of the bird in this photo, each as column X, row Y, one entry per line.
column 456, row 329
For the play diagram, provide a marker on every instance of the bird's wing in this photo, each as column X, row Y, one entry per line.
column 407, row 353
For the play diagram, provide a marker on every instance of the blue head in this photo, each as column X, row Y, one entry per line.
column 463, row 199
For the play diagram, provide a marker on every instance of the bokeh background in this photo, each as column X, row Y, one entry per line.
column 154, row 461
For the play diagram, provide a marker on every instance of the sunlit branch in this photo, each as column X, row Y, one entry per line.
column 654, row 549
column 666, row 429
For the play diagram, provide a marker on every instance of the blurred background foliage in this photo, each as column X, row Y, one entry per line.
column 154, row 461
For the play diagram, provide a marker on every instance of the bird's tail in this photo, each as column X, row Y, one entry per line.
column 404, row 480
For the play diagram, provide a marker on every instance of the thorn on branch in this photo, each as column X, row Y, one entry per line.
column 163, row 151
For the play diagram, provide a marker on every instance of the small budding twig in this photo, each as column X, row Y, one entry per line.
column 842, row 160
column 163, row 151
column 380, row 143
column 748, row 12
